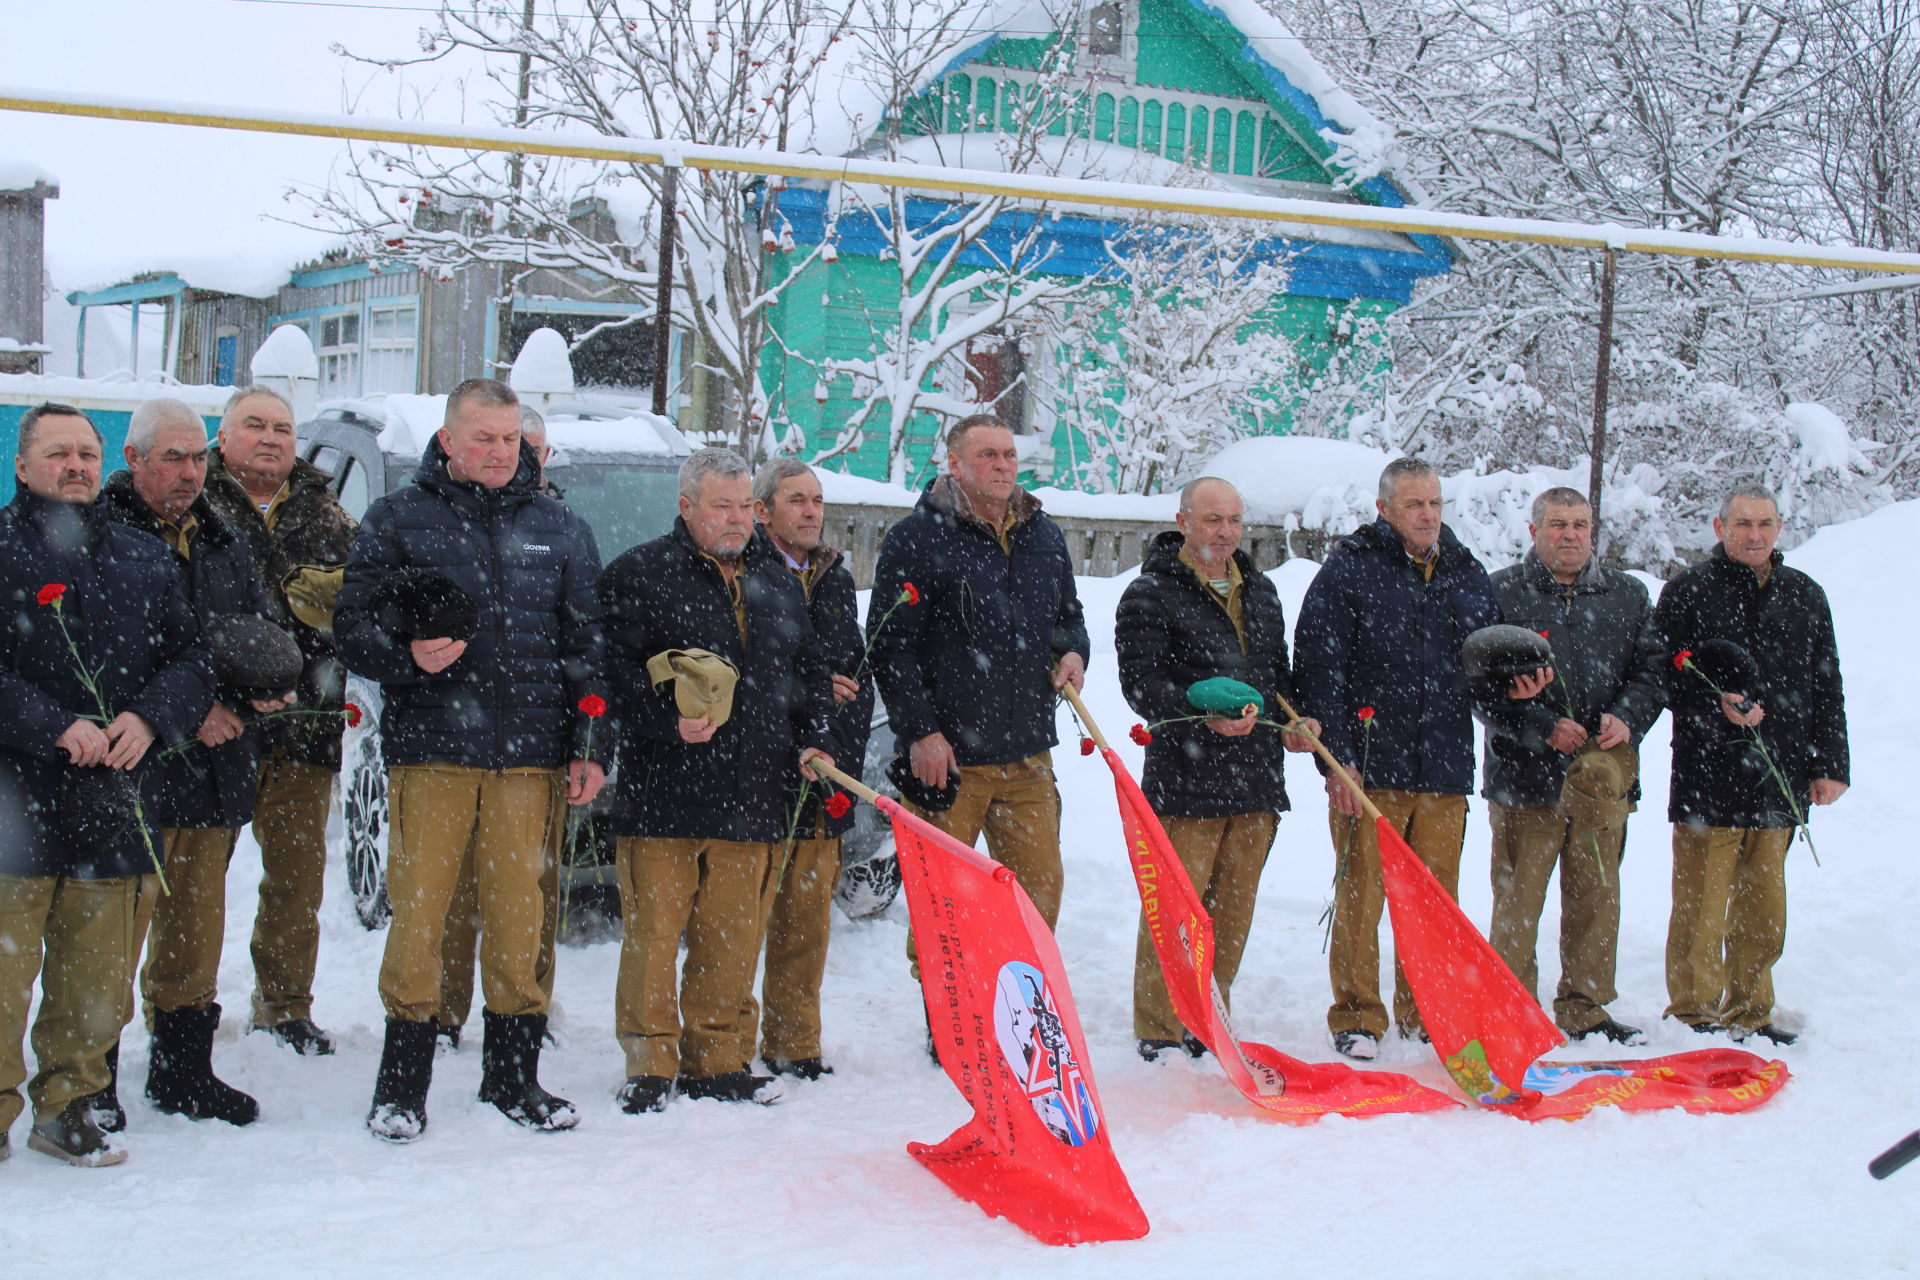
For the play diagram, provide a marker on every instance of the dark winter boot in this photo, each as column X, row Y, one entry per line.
column 734, row 1086
column 74, row 1137
column 399, row 1112
column 180, row 1077
column 108, row 1114
column 510, row 1070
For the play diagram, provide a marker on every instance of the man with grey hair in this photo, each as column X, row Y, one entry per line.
column 1562, row 767
column 722, row 695
column 790, row 507
column 487, row 729
column 299, row 536
column 1377, row 663
column 200, row 798
column 1762, row 632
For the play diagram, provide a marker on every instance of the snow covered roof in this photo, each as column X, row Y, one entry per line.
column 24, row 175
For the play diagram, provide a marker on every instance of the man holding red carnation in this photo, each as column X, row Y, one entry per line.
column 1759, row 733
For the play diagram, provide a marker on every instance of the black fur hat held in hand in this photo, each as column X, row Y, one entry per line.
column 1728, row 664
column 919, row 794
column 254, row 656
column 423, row 604
column 98, row 809
column 1503, row 652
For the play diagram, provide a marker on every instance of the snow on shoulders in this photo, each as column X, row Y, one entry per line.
column 17, row 174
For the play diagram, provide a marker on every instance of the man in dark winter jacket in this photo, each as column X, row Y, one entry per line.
column 1198, row 611
column 299, row 537
column 1607, row 692
column 702, row 804
column 1377, row 662
column 1733, row 821
column 970, row 674
column 205, row 794
column 791, row 511
column 482, row 739
column 101, row 656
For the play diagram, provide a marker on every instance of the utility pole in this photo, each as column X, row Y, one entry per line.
column 1602, row 374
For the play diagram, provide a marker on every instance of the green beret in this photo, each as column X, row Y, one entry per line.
column 1220, row 696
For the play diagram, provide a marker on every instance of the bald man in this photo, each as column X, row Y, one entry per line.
column 1199, row 610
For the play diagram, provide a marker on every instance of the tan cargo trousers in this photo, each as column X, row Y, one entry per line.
column 1224, row 858
column 1434, row 826
column 184, row 929
column 290, row 825
column 459, row 950
column 441, row 814
column 799, row 926
column 716, row 893
column 1018, row 806
column 83, row 930
column 1729, row 923
column 1529, row 840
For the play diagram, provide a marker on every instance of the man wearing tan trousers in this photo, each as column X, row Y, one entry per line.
column 101, row 661
column 299, row 536
column 791, row 510
column 202, row 796
column 1200, row 611
column 481, row 726
column 1377, row 662
column 722, row 694
column 971, row 673
column 1562, row 767
column 1734, row 811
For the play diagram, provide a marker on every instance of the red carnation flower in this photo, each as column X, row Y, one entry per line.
column 1140, row 735
column 1545, row 636
column 909, row 593
column 593, row 706
column 51, row 592
column 838, row 804
column 1680, row 659
column 1365, row 713
column 1086, row 746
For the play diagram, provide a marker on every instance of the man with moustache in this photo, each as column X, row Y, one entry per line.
column 201, row 797
column 299, row 537
column 1576, row 738
column 101, row 658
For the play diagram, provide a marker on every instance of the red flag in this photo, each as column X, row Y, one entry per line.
column 1037, row 1151
column 1488, row 1029
column 1182, row 933
column 1476, row 1012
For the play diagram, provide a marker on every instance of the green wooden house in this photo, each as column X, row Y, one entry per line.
column 1221, row 89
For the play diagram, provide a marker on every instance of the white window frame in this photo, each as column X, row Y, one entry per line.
column 339, row 355
column 374, row 346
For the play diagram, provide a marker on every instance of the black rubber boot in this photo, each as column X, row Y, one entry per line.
column 108, row 1115
column 399, row 1112
column 510, row 1070
column 180, row 1077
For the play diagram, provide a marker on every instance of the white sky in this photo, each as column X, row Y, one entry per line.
column 134, row 196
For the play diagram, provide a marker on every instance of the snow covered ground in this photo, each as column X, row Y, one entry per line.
column 823, row 1185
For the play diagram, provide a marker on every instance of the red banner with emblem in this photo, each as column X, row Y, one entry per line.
column 1490, row 1031
column 1182, row 933
column 1037, row 1151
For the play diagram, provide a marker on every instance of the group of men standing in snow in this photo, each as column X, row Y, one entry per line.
column 724, row 663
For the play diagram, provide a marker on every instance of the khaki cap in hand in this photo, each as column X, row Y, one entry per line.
column 703, row 682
